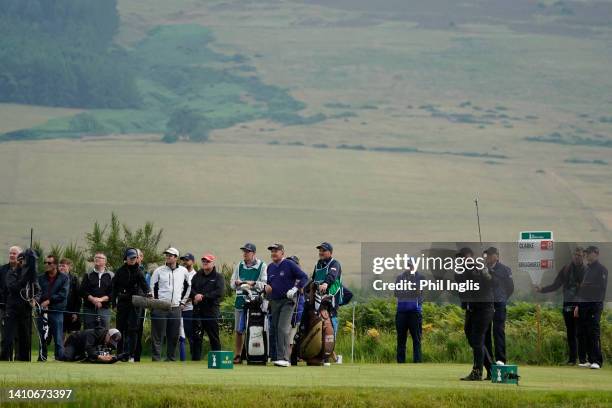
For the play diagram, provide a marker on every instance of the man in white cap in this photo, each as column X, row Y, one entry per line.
column 169, row 282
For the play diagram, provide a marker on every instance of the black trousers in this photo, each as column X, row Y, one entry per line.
column 477, row 322
column 17, row 327
column 138, row 351
column 576, row 343
column 409, row 322
column 589, row 315
column 128, row 318
column 69, row 325
column 497, row 332
column 204, row 324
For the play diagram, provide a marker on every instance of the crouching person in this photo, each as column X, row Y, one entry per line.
column 285, row 278
column 207, row 287
column 92, row 345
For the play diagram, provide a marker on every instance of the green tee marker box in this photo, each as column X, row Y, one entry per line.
column 221, row 359
column 504, row 374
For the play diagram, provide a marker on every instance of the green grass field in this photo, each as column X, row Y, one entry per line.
column 423, row 385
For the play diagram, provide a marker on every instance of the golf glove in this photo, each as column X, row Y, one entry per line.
column 292, row 292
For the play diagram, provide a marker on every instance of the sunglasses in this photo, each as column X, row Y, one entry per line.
column 49, row 263
column 205, row 261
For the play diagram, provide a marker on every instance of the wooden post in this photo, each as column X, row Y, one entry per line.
column 538, row 317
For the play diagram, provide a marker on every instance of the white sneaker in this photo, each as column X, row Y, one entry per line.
column 499, row 362
column 282, row 363
column 595, row 366
column 131, row 360
column 326, row 364
column 585, row 365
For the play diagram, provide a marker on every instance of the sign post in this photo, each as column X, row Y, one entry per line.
column 536, row 253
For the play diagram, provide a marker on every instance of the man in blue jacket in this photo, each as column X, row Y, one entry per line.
column 503, row 287
column 409, row 317
column 53, row 297
column 570, row 277
column 284, row 280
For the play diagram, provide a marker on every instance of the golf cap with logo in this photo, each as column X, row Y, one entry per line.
column 591, row 249
column 208, row 257
column 172, row 251
column 249, row 247
column 131, row 253
column 188, row 256
column 115, row 337
column 491, row 251
column 276, row 246
column 326, row 246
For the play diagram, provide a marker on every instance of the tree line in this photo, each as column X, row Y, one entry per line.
column 61, row 53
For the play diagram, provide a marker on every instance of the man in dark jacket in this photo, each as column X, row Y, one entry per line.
column 207, row 287
column 96, row 291
column 409, row 316
column 12, row 264
column 53, row 297
column 72, row 319
column 127, row 282
column 479, row 312
column 570, row 277
column 92, row 345
column 503, row 287
column 591, row 297
column 21, row 284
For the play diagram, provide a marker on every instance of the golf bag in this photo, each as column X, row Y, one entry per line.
column 256, row 336
column 315, row 339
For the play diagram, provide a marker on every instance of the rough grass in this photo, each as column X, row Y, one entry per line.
column 424, row 385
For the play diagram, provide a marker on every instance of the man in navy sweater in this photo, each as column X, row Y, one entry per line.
column 409, row 317
column 284, row 280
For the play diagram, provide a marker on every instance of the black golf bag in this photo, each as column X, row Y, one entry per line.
column 315, row 339
column 256, row 336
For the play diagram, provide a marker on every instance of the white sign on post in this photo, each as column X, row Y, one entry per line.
column 536, row 253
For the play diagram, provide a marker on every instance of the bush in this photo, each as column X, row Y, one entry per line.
column 112, row 240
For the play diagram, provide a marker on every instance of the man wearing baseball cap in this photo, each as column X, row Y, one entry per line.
column 127, row 282
column 188, row 261
column 250, row 271
column 285, row 278
column 591, row 297
column 170, row 282
column 328, row 274
column 207, row 288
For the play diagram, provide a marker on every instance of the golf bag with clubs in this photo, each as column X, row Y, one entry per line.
column 256, row 334
column 315, row 339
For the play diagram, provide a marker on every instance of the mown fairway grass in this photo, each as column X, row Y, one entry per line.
column 192, row 384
